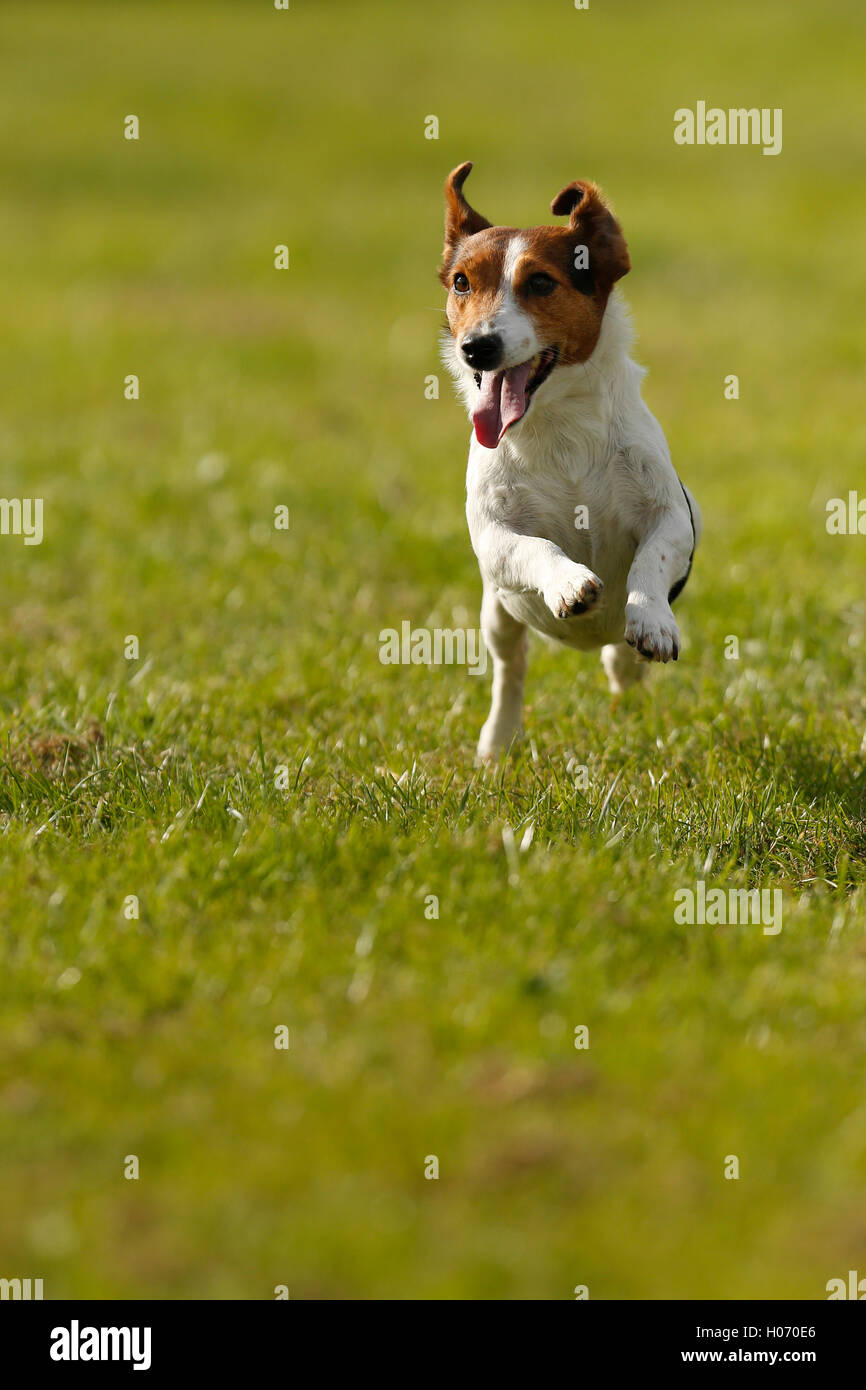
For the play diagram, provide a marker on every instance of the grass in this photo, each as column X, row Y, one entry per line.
column 307, row 905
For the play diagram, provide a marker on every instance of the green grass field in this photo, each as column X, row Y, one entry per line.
column 304, row 906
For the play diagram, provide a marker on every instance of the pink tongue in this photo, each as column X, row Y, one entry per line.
column 501, row 401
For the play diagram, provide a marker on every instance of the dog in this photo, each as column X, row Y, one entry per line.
column 581, row 527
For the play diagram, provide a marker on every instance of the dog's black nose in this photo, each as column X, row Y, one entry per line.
column 482, row 350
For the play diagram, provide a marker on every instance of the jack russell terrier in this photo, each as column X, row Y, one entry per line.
column 582, row 529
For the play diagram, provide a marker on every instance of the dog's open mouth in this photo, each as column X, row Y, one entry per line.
column 503, row 397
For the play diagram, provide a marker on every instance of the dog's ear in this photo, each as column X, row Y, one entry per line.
column 460, row 219
column 594, row 226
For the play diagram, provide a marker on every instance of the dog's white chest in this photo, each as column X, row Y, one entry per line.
column 577, row 507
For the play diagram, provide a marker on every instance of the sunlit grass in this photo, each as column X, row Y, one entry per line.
column 303, row 897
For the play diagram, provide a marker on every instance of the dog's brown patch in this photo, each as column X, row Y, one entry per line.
column 481, row 258
column 570, row 317
column 460, row 219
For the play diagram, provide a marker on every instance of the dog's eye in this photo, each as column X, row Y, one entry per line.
column 540, row 283
column 461, row 284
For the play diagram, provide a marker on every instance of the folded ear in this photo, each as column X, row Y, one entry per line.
column 460, row 219
column 595, row 227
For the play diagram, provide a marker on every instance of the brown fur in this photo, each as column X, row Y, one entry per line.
column 460, row 219
column 569, row 318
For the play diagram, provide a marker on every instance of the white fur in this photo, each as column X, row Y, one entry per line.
column 513, row 324
column 589, row 440
column 516, row 327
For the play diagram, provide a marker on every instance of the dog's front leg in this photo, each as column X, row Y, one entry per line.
column 511, row 561
column 661, row 560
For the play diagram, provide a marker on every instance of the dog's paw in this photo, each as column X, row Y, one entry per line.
column 573, row 591
column 498, row 736
column 652, row 630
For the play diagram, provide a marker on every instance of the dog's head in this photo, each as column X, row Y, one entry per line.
column 523, row 304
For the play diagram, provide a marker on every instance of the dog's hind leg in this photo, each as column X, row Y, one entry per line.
column 623, row 667
column 507, row 641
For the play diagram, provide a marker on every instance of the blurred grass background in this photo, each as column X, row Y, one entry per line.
column 259, row 648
